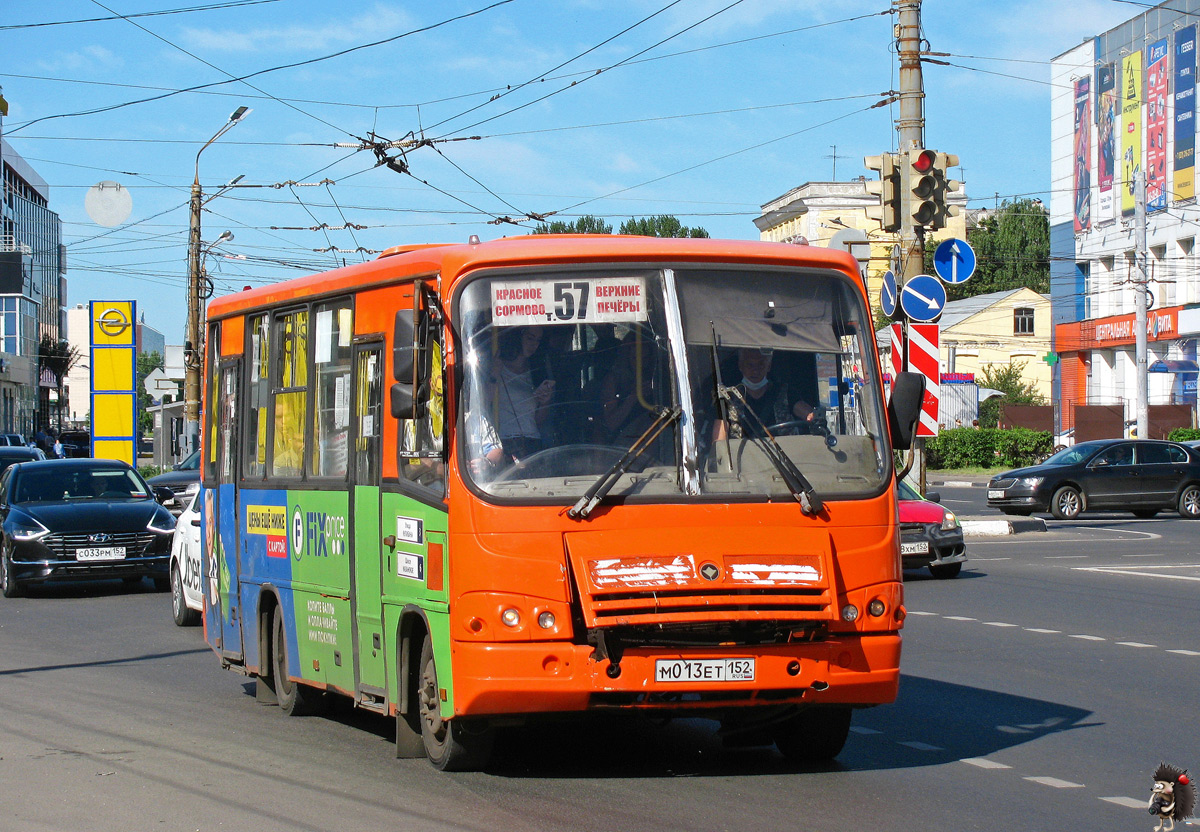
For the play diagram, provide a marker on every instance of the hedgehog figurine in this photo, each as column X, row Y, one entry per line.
column 1172, row 798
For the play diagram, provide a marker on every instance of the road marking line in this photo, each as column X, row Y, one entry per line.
column 983, row 762
column 1140, row 556
column 973, row 558
column 1122, row 570
column 1184, row 652
column 960, row 618
column 1054, row 782
column 1066, row 557
column 921, row 612
column 1130, row 802
column 1150, row 535
column 1090, row 638
column 1135, row 644
column 921, row 746
column 1040, row 630
column 998, row 624
column 859, row 729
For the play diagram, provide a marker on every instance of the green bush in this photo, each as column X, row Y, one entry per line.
column 1184, row 434
column 987, row 448
column 148, row 471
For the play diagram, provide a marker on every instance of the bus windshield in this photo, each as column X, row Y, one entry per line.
column 715, row 378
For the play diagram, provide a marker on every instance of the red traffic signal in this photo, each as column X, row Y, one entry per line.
column 923, row 161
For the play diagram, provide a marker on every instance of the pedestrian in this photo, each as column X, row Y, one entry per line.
column 58, row 448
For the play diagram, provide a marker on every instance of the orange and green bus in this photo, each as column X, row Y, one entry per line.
column 474, row 484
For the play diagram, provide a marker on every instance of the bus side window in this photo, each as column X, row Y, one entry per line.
column 333, row 330
column 289, row 349
column 422, row 437
column 254, row 457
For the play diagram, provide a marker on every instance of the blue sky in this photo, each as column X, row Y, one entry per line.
column 728, row 113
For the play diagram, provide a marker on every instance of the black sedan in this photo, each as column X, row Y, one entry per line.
column 1142, row 476
column 73, row 519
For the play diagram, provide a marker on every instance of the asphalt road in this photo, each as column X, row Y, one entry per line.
column 1040, row 689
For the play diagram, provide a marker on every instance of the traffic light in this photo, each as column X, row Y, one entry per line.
column 923, row 186
column 945, row 186
column 887, row 189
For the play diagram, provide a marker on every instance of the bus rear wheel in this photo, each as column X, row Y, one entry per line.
column 295, row 698
column 451, row 744
column 814, row 735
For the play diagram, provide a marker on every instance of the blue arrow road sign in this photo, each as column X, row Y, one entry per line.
column 954, row 261
column 922, row 298
column 887, row 294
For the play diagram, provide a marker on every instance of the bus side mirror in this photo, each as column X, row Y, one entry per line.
column 401, row 396
column 403, row 354
column 904, row 408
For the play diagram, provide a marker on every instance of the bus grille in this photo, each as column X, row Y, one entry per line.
column 686, row 589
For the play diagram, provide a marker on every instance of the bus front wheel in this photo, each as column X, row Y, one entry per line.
column 451, row 744
column 814, row 735
column 295, row 699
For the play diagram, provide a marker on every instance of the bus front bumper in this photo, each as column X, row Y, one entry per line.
column 493, row 679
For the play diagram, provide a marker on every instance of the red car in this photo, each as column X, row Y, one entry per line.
column 930, row 535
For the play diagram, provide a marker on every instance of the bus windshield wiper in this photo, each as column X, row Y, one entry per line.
column 609, row 478
column 796, row 482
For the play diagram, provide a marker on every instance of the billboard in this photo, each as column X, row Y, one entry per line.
column 114, row 376
column 1107, row 117
column 1157, row 83
column 1131, row 128
column 1185, row 115
column 1083, row 154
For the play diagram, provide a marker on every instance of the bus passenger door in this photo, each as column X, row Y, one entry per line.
column 365, row 545
column 228, row 538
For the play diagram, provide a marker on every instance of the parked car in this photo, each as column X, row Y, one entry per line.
column 930, row 534
column 76, row 443
column 1143, row 476
column 78, row 519
column 183, row 480
column 12, row 439
column 187, row 599
column 11, row 455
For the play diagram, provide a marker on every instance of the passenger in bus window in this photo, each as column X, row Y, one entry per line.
column 770, row 400
column 627, row 409
column 521, row 407
column 485, row 455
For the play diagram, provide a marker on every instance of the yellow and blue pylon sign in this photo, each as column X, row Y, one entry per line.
column 114, row 374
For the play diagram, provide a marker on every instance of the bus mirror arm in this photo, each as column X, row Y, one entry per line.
column 904, row 408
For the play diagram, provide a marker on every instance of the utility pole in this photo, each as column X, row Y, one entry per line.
column 1141, row 283
column 193, row 347
column 910, row 131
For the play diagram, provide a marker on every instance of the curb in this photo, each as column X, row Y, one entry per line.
column 995, row 528
column 958, row 484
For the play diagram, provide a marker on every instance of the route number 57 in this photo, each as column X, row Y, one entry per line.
column 571, row 301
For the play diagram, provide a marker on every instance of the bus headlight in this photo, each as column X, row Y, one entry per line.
column 510, row 618
column 546, row 620
column 849, row 613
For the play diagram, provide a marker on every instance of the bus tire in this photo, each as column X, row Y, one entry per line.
column 295, row 698
column 814, row 735
column 450, row 744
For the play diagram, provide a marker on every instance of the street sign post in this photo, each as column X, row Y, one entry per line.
column 887, row 294
column 922, row 298
column 954, row 261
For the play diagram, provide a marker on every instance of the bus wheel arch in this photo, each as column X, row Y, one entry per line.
column 456, row 744
column 268, row 602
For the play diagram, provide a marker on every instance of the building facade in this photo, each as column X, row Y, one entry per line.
column 32, row 292
column 1124, row 104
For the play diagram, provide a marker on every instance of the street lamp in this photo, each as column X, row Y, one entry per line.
column 192, row 353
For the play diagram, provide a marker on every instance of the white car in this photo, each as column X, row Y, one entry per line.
column 187, row 598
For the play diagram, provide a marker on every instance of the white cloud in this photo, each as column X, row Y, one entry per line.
column 87, row 59
column 378, row 23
